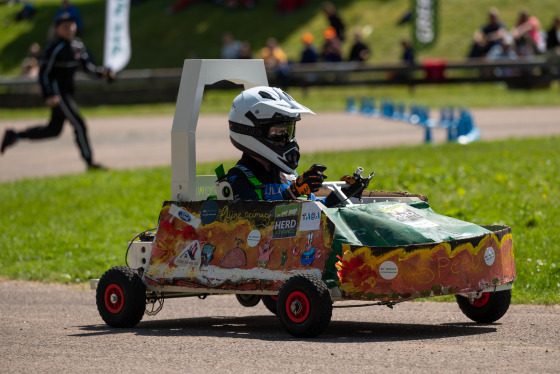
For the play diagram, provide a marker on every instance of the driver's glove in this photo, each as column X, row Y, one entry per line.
column 308, row 182
column 357, row 185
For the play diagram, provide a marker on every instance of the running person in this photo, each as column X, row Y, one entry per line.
column 262, row 124
column 56, row 78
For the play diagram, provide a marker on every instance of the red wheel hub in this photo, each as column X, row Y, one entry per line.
column 114, row 298
column 482, row 300
column 297, row 307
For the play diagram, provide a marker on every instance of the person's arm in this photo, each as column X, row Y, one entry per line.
column 88, row 65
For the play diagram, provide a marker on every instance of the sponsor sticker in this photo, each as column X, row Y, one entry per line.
column 190, row 255
column 489, row 256
column 310, row 217
column 253, row 238
column 286, row 221
column 388, row 270
column 209, row 212
column 404, row 214
column 184, row 216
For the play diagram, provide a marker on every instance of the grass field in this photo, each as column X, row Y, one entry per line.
column 73, row 228
column 162, row 40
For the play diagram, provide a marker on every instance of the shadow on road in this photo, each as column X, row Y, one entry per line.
column 269, row 328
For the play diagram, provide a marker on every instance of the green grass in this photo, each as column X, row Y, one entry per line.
column 72, row 228
column 334, row 99
column 160, row 40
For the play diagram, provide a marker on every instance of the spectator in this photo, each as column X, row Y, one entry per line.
column 553, row 36
column 276, row 60
column 360, row 51
column 334, row 19
column 30, row 65
column 230, row 46
column 504, row 51
column 332, row 48
column 527, row 32
column 488, row 35
column 27, row 12
column 309, row 54
column 407, row 52
column 273, row 55
column 245, row 51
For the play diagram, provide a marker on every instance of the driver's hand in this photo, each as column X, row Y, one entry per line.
column 308, row 182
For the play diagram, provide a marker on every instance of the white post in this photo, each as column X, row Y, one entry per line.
column 196, row 75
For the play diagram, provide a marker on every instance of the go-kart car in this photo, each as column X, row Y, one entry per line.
column 298, row 257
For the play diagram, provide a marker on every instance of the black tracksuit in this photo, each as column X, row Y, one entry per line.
column 56, row 77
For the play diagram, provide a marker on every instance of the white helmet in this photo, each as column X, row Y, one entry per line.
column 261, row 116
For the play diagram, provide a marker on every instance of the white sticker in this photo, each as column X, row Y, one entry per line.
column 388, row 270
column 254, row 238
column 310, row 217
column 489, row 256
column 407, row 215
column 184, row 216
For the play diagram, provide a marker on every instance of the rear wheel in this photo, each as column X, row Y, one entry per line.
column 121, row 297
column 488, row 308
column 248, row 300
column 271, row 303
column 304, row 306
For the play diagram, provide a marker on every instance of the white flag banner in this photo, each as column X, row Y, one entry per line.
column 117, row 37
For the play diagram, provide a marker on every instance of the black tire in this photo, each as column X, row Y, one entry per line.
column 489, row 308
column 271, row 303
column 121, row 297
column 248, row 300
column 304, row 306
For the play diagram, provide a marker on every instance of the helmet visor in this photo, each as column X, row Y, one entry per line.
column 283, row 131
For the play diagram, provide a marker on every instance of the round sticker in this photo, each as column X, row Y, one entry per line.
column 254, row 238
column 209, row 212
column 489, row 256
column 388, row 270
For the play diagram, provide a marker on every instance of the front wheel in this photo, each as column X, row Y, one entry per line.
column 304, row 306
column 488, row 308
column 121, row 297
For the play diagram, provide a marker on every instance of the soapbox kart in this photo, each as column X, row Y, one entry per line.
column 298, row 257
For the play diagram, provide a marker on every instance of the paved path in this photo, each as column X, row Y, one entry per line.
column 129, row 142
column 56, row 329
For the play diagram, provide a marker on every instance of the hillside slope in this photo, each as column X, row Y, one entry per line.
column 163, row 40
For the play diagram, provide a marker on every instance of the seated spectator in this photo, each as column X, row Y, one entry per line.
column 360, row 51
column 309, row 54
column 528, row 28
column 332, row 47
column 504, row 51
column 334, row 20
column 245, row 51
column 488, row 35
column 276, row 60
column 553, row 36
column 230, row 46
column 27, row 12
column 31, row 63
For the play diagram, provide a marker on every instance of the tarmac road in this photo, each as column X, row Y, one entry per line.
column 56, row 329
column 129, row 142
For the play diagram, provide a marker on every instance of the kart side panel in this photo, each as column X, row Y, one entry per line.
column 238, row 245
column 407, row 272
